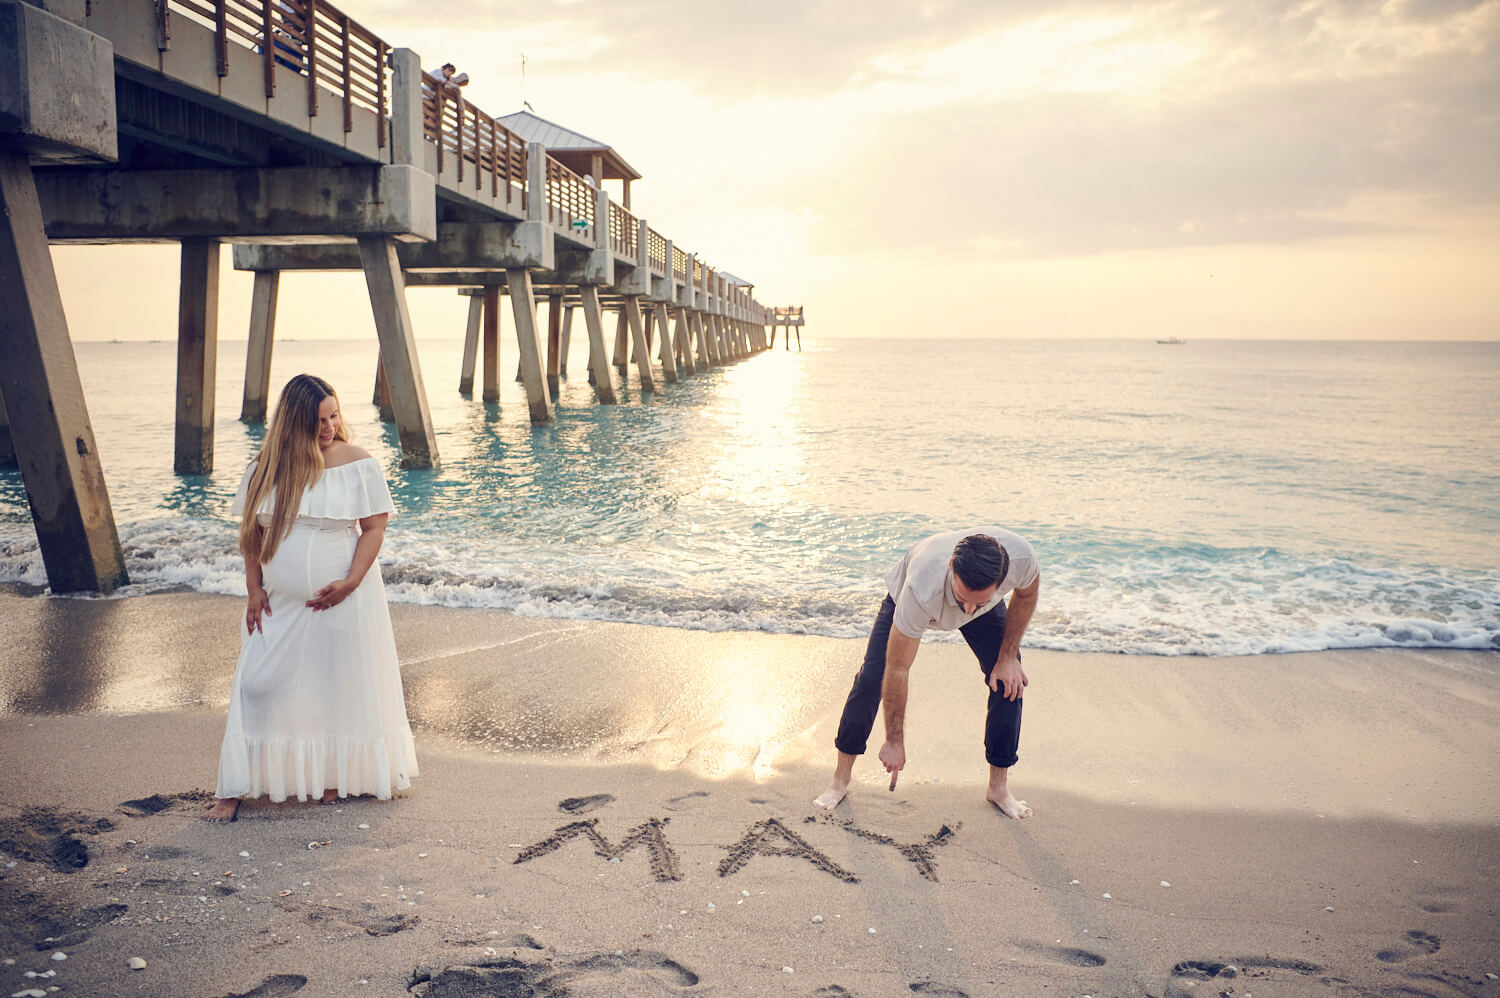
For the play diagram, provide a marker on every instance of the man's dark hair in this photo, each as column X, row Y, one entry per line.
column 449, row 65
column 980, row 562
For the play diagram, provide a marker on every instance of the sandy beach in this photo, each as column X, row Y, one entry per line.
column 612, row 809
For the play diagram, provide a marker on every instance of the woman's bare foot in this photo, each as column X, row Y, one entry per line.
column 224, row 811
column 330, row 796
column 999, row 795
column 832, row 797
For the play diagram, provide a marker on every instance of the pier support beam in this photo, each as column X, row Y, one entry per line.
column 685, row 342
column 471, row 345
column 706, row 339
column 648, row 317
column 632, row 310
column 726, row 335
column 258, row 347
column 197, row 356
column 593, row 319
column 668, row 357
column 491, row 300
column 43, row 397
column 567, row 340
column 554, row 341
column 705, row 359
column 398, row 351
column 523, row 306
column 381, row 397
column 622, row 338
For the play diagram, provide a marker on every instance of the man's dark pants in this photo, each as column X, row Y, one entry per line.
column 1002, row 723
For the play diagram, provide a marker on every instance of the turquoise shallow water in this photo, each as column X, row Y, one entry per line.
column 1212, row 498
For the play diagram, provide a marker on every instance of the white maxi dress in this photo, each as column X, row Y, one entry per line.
column 317, row 701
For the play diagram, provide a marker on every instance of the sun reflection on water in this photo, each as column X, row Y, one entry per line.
column 760, row 408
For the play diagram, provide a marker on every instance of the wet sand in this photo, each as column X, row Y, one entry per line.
column 622, row 810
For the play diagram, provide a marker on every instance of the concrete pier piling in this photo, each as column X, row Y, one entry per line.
column 554, row 341
column 381, row 396
column 258, row 346
column 523, row 307
column 682, row 341
column 565, row 340
column 398, row 351
column 632, row 310
column 668, row 355
column 197, row 356
column 593, row 319
column 491, row 309
column 43, row 397
column 471, row 345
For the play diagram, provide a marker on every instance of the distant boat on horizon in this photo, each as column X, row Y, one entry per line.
column 1173, row 340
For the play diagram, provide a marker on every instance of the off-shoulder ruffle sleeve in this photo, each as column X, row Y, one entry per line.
column 349, row 492
column 237, row 507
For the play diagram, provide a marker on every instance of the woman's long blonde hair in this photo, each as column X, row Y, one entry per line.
column 290, row 461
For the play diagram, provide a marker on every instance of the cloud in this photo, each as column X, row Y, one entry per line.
column 1318, row 111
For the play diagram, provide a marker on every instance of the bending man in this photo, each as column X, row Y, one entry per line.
column 953, row 580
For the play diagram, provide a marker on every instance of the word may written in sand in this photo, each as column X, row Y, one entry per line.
column 769, row 837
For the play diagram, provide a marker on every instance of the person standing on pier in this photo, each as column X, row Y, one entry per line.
column 951, row 580
column 316, row 709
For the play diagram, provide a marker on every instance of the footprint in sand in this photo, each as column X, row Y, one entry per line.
column 145, row 807
column 1075, row 957
column 49, row 925
column 43, row 835
column 1255, row 966
column 936, row 990
column 1435, row 906
column 694, row 801
column 632, row 974
column 1416, row 943
column 583, row 805
column 274, row 986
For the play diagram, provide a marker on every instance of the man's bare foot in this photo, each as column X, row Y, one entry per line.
column 330, row 796
column 831, row 798
column 1008, row 805
column 223, row 811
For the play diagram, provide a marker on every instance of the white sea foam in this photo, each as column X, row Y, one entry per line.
column 1193, row 601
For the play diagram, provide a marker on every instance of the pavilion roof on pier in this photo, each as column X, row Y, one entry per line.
column 573, row 149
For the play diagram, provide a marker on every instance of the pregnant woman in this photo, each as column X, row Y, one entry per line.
column 316, row 709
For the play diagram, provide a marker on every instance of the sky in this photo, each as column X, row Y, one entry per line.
column 1256, row 169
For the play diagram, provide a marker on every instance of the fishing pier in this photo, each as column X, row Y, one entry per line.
column 290, row 131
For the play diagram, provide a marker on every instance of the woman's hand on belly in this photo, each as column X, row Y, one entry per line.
column 332, row 594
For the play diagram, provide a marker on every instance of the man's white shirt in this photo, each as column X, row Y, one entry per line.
column 921, row 586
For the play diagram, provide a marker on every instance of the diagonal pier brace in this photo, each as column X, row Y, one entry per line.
column 43, row 397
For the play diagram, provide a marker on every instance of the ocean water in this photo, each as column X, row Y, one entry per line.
column 1213, row 498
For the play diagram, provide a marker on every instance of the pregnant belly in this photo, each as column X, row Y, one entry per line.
column 307, row 560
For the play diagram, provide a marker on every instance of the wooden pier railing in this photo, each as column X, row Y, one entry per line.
column 623, row 232
column 656, row 251
column 335, row 54
column 570, row 200
column 474, row 140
